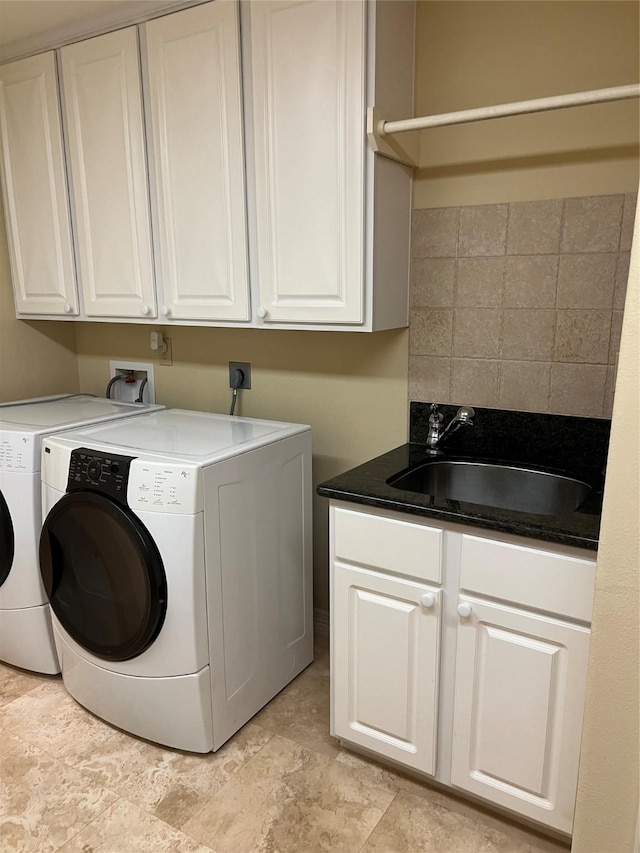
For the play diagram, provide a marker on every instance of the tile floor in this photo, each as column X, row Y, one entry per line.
column 71, row 783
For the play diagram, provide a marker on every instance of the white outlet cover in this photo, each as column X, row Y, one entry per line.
column 128, row 392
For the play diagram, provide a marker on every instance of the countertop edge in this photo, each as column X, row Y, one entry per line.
column 513, row 528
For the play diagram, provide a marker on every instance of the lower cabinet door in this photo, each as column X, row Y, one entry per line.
column 386, row 637
column 519, row 698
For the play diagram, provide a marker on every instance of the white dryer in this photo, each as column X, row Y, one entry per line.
column 26, row 639
column 177, row 554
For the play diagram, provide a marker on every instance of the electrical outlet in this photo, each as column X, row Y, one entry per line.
column 128, row 390
column 166, row 356
column 245, row 367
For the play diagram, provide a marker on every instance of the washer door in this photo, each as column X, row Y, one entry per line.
column 7, row 540
column 103, row 574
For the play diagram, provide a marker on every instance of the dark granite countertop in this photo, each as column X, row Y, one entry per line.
column 552, row 443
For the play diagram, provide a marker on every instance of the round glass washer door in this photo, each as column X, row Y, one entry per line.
column 104, row 575
column 7, row 540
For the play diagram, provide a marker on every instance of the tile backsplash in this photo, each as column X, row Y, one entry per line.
column 520, row 305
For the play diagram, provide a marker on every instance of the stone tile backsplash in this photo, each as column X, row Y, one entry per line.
column 519, row 306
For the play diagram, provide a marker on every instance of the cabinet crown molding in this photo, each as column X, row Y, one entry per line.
column 87, row 26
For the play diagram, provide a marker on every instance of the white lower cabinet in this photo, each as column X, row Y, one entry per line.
column 506, row 622
column 386, row 665
column 517, row 720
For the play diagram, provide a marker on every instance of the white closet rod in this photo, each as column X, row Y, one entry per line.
column 557, row 102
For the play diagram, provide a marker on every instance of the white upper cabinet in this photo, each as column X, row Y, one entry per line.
column 34, row 186
column 308, row 65
column 195, row 98
column 218, row 171
column 103, row 109
column 317, row 188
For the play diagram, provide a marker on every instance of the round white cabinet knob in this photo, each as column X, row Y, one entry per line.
column 428, row 599
column 67, row 308
column 464, row 609
column 262, row 313
column 144, row 309
column 165, row 310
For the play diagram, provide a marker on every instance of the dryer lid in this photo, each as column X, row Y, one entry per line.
column 181, row 434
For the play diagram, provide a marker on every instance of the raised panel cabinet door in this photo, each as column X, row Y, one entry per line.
column 308, row 73
column 193, row 60
column 36, row 201
column 384, row 686
column 103, row 109
column 519, row 698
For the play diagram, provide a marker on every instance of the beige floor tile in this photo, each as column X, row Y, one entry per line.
column 171, row 784
column 51, row 720
column 43, row 803
column 422, row 826
column 301, row 712
column 125, row 828
column 398, row 781
column 291, row 800
column 16, row 682
column 518, row 833
column 382, row 775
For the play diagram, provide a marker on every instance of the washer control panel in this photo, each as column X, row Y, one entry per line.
column 165, row 487
column 107, row 473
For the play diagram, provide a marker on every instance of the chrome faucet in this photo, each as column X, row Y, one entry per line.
column 437, row 433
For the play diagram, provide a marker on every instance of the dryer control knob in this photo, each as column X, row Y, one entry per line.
column 94, row 470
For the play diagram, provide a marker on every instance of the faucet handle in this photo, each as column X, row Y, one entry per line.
column 465, row 413
column 435, row 416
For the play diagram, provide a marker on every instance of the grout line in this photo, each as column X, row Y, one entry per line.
column 377, row 824
column 621, row 220
column 454, row 312
column 82, row 829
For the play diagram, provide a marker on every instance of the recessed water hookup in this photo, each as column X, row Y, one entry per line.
column 136, row 381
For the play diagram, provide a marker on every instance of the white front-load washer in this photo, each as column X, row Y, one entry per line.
column 176, row 551
column 26, row 639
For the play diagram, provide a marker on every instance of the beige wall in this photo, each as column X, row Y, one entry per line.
column 36, row 358
column 351, row 388
column 473, row 54
column 607, row 806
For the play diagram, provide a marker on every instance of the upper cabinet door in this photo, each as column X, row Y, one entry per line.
column 308, row 71
column 35, row 190
column 196, row 122
column 103, row 107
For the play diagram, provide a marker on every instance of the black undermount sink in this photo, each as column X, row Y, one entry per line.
column 497, row 485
